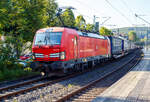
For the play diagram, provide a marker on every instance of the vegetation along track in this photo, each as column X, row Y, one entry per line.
column 22, row 87
column 93, row 89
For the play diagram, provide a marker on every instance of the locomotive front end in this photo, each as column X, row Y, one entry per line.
column 47, row 50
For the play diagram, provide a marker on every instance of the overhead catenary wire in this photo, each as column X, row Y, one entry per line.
column 91, row 9
column 128, row 20
column 87, row 6
column 130, row 10
column 84, row 15
column 124, row 2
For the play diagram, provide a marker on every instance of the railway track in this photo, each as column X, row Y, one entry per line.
column 22, row 87
column 18, row 88
column 93, row 89
column 11, row 82
column 13, row 90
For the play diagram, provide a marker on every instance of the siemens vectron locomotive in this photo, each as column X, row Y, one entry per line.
column 61, row 50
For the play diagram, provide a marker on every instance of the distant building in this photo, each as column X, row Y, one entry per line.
column 140, row 31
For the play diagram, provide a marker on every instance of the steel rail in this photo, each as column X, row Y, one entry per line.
column 36, row 86
column 68, row 96
column 20, row 84
column 5, row 96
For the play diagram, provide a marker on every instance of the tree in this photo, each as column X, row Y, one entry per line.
column 80, row 22
column 3, row 14
column 51, row 9
column 7, row 55
column 35, row 16
column 68, row 18
column 104, row 31
column 89, row 27
column 22, row 18
column 132, row 36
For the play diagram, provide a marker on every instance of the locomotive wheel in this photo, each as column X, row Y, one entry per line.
column 92, row 64
column 65, row 71
column 82, row 67
column 77, row 67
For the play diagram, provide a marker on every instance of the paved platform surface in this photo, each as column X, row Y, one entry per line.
column 133, row 87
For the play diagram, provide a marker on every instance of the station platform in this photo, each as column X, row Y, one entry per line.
column 133, row 87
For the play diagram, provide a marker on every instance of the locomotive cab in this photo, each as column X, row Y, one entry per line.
column 47, row 46
column 51, row 52
column 47, row 49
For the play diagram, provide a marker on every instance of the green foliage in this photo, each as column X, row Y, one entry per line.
column 104, row 31
column 14, row 73
column 132, row 36
column 90, row 27
column 7, row 49
column 19, row 20
column 51, row 13
column 68, row 18
column 70, row 85
column 9, row 68
column 28, row 69
column 80, row 22
column 25, row 17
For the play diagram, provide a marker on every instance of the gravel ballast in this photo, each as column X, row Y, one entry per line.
column 55, row 91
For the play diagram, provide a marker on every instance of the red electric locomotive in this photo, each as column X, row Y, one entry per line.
column 60, row 49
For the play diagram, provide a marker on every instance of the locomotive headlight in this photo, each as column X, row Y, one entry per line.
column 62, row 55
column 33, row 57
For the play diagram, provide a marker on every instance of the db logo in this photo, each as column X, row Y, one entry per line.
column 46, row 56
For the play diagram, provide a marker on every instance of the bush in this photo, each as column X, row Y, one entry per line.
column 10, row 50
column 9, row 68
column 6, row 54
column 11, row 74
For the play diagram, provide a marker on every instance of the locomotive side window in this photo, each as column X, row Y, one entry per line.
column 48, row 38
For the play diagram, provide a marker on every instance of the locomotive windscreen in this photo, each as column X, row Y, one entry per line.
column 48, row 38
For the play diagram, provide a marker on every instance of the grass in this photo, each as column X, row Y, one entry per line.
column 8, row 74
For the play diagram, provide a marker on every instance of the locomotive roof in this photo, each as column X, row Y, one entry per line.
column 54, row 29
column 61, row 29
column 93, row 35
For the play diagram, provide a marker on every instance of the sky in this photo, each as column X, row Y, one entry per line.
column 120, row 13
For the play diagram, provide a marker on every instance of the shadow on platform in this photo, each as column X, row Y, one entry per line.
column 113, row 99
